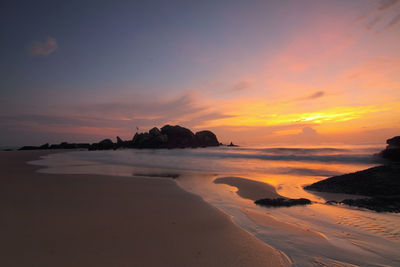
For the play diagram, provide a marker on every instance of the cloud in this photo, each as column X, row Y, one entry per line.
column 380, row 14
column 392, row 22
column 144, row 108
column 386, row 4
column 308, row 132
column 115, row 117
column 315, row 95
column 373, row 22
column 240, row 86
column 43, row 48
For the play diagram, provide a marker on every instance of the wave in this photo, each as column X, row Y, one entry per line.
column 292, row 154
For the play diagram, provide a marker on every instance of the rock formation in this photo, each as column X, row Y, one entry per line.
column 168, row 137
column 381, row 184
column 206, row 138
column 380, row 180
column 282, row 202
column 392, row 151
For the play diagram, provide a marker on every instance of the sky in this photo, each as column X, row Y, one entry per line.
column 254, row 72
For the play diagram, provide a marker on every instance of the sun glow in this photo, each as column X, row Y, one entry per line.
column 332, row 115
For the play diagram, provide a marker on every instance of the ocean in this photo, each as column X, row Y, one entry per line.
column 313, row 235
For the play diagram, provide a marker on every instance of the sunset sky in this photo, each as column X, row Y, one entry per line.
column 254, row 72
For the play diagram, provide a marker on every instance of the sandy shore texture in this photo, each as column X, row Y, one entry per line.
column 248, row 188
column 92, row 220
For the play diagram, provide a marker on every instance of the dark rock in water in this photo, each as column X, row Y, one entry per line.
column 106, row 144
column 45, row 146
column 173, row 137
column 141, row 140
column 331, row 202
column 168, row 137
column 120, row 142
column 102, row 145
column 152, row 139
column 394, row 142
column 392, row 151
column 379, row 204
column 66, row 145
column 54, row 146
column 158, row 175
column 179, row 137
column 282, row 202
column 83, row 145
column 206, row 138
column 29, row 148
column 381, row 180
column 154, row 132
column 392, row 154
column 232, row 144
column 381, row 183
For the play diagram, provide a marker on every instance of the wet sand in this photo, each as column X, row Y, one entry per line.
column 94, row 220
column 249, row 189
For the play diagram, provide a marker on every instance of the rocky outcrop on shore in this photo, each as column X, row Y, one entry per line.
column 379, row 204
column 167, row 137
column 282, row 202
column 392, row 151
column 381, row 184
column 63, row 145
column 380, row 180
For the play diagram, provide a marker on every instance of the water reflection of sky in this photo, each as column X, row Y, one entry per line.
column 287, row 169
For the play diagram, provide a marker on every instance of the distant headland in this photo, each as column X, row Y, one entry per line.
column 167, row 137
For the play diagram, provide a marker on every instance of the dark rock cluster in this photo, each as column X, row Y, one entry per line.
column 381, row 183
column 379, row 203
column 380, row 180
column 173, row 137
column 392, row 151
column 63, row 145
column 282, row 202
column 168, row 137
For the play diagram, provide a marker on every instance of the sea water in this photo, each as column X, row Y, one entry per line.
column 313, row 235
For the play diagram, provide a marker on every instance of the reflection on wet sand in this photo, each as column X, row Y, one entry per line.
column 316, row 234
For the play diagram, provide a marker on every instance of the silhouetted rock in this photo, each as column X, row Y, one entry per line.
column 45, row 146
column 102, row 145
column 83, row 145
column 392, row 154
column 159, row 175
column 392, row 151
column 155, row 132
column 332, row 202
column 381, row 180
column 120, row 142
column 381, row 183
column 179, row 137
column 394, row 142
column 168, row 137
column 206, row 138
column 66, row 145
column 282, row 202
column 379, row 204
column 106, row 144
column 232, row 144
column 29, row 148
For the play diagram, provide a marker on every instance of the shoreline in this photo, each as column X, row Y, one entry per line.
column 81, row 220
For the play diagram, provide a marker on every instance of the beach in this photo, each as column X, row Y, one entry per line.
column 99, row 220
